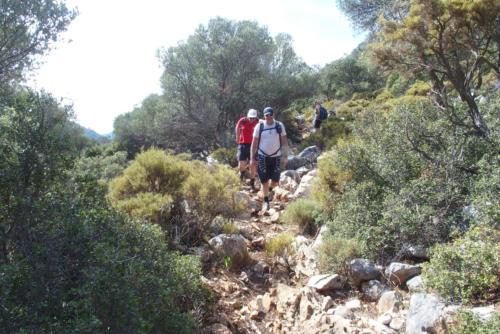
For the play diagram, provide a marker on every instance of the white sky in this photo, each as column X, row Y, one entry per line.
column 110, row 65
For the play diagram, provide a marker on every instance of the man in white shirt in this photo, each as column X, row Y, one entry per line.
column 270, row 144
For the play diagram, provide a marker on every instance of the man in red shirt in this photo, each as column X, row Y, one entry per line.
column 244, row 135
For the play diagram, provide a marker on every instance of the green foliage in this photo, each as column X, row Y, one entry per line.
column 350, row 109
column 88, row 269
column 331, row 130
column 28, row 28
column 230, row 228
column 346, row 76
column 336, row 253
column 209, row 191
column 103, row 164
column 419, row 88
column 181, row 196
column 469, row 323
column 226, row 156
column 471, row 262
column 149, row 186
column 405, row 176
column 280, row 246
column 301, row 213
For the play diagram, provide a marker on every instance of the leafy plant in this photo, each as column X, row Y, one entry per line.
column 301, row 213
column 281, row 246
column 226, row 156
column 471, row 262
column 468, row 323
column 335, row 254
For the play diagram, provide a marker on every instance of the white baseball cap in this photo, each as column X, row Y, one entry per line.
column 252, row 113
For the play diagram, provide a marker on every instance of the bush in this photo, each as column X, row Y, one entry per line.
column 301, row 213
column 336, row 253
column 226, row 156
column 210, row 190
column 150, row 186
column 471, row 262
column 331, row 131
column 88, row 269
column 468, row 323
column 230, row 228
column 280, row 246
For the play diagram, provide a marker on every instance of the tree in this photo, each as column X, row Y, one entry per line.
column 221, row 71
column 453, row 42
column 364, row 14
column 27, row 27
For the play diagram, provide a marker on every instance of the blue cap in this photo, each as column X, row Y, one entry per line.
column 268, row 111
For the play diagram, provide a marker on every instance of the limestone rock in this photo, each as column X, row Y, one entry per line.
column 415, row 284
column 389, row 301
column 326, row 282
column 234, row 246
column 310, row 153
column 372, row 289
column 399, row 273
column 304, row 189
column 425, row 315
column 363, row 270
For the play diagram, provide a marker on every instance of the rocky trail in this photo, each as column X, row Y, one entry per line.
column 287, row 293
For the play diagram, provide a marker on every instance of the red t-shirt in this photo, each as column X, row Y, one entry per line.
column 246, row 132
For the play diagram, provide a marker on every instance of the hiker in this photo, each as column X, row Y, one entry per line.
column 321, row 115
column 269, row 143
column 244, row 134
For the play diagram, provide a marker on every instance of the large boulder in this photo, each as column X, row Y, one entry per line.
column 305, row 186
column 425, row 315
column 295, row 162
column 399, row 273
column 363, row 270
column 310, row 153
column 234, row 246
column 326, row 282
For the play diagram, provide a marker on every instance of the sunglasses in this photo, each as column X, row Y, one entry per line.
column 268, row 115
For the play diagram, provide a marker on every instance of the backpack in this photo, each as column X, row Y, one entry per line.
column 244, row 121
column 323, row 114
column 278, row 128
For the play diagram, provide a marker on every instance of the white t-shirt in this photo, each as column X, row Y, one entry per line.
column 270, row 139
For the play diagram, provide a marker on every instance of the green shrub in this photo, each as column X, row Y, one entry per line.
column 210, row 190
column 280, row 246
column 301, row 213
column 330, row 132
column 230, row 228
column 102, row 166
column 336, row 253
column 226, row 156
column 91, row 270
column 471, row 262
column 468, row 323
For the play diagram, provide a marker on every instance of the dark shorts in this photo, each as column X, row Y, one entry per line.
column 243, row 152
column 268, row 168
column 317, row 123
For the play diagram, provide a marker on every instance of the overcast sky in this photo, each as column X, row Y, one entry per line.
column 107, row 64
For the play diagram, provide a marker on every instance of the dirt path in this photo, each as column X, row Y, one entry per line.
column 240, row 294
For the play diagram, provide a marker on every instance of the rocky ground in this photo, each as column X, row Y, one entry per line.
column 288, row 293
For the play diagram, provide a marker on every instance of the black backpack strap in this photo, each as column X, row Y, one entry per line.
column 278, row 130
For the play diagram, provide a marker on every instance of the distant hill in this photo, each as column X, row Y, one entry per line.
column 92, row 134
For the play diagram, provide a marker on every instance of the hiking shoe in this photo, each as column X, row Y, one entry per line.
column 265, row 206
column 271, row 195
column 252, row 186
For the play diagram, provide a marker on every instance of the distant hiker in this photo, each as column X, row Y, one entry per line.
column 270, row 143
column 321, row 115
column 244, row 134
